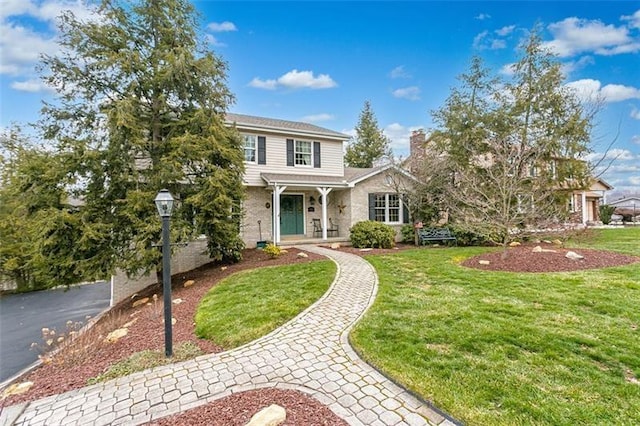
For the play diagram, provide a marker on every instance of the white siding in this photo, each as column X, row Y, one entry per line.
column 331, row 153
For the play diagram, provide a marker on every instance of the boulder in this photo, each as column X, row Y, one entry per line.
column 514, row 244
column 302, row 255
column 573, row 255
column 537, row 249
column 272, row 415
column 188, row 283
column 335, row 246
column 17, row 389
column 484, row 262
column 116, row 334
column 139, row 302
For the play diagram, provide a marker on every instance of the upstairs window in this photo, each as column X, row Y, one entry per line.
column 303, row 153
column 250, row 147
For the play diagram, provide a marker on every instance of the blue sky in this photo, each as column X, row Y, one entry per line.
column 319, row 61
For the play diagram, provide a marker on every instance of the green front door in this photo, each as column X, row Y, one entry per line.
column 291, row 215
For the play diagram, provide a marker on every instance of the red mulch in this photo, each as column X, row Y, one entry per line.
column 523, row 259
column 237, row 410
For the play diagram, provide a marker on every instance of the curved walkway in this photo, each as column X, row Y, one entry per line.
column 310, row 353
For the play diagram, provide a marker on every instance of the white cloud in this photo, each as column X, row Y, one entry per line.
column 484, row 41
column 483, row 16
column 411, row 93
column 504, row 31
column 508, row 69
column 573, row 36
column 634, row 20
column 635, row 113
column 213, row 41
column 399, row 72
column 221, row 27
column 32, row 85
column 612, row 154
column 592, row 90
column 498, row 44
column 21, row 48
column 399, row 136
column 314, row 118
column 635, row 139
column 295, row 80
column 478, row 40
column 571, row 66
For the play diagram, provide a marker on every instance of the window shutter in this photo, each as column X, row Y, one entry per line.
column 405, row 209
column 290, row 152
column 262, row 150
column 372, row 206
column 316, row 154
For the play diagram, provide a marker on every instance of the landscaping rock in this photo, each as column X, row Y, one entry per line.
column 514, row 244
column 335, row 246
column 557, row 242
column 302, row 255
column 537, row 249
column 573, row 255
column 366, row 249
column 177, row 301
column 17, row 389
column 139, row 302
column 116, row 334
column 188, row 283
column 484, row 262
column 546, row 241
column 272, row 415
column 223, row 268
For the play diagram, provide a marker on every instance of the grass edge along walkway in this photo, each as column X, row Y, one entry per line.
column 508, row 348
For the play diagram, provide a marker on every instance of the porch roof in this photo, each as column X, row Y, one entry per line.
column 304, row 180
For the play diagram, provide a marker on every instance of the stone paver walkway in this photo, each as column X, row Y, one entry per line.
column 310, row 354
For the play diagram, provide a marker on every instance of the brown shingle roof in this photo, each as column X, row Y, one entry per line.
column 242, row 120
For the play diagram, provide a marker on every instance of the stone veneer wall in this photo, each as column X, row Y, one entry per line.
column 184, row 259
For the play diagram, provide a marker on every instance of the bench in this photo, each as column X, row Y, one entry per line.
column 426, row 235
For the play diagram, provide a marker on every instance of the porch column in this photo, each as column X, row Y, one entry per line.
column 277, row 190
column 585, row 213
column 323, row 193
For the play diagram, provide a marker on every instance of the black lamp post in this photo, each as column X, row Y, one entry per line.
column 164, row 203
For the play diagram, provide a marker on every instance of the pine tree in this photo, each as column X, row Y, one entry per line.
column 141, row 108
column 370, row 145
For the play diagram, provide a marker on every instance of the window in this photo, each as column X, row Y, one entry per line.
column 250, row 145
column 303, row 153
column 572, row 203
column 385, row 208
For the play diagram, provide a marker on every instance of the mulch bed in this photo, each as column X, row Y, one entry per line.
column 523, row 259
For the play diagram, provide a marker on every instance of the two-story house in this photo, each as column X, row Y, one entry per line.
column 299, row 189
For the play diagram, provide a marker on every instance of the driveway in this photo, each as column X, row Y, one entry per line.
column 22, row 317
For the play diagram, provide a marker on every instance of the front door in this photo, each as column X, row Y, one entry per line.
column 291, row 215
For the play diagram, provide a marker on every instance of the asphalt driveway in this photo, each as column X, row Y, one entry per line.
column 22, row 317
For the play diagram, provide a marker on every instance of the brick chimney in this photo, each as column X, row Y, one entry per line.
column 417, row 142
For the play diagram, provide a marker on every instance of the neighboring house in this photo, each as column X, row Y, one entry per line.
column 627, row 206
column 299, row 189
column 583, row 204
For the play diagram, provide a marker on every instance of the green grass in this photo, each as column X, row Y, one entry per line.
column 497, row 348
column 147, row 359
column 250, row 304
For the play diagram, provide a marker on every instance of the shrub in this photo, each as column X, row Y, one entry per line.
column 372, row 234
column 606, row 211
column 272, row 250
column 466, row 237
column 408, row 234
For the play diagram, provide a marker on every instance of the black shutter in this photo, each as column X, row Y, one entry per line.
column 290, row 152
column 316, row 154
column 405, row 209
column 372, row 206
column 262, row 150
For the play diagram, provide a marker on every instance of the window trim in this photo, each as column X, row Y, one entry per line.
column 388, row 208
column 245, row 136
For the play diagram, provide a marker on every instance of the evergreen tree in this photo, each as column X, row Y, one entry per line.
column 370, row 145
column 141, row 108
column 515, row 146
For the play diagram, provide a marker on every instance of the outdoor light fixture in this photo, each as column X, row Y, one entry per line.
column 312, row 201
column 164, row 203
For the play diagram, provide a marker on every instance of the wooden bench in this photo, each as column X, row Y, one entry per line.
column 426, row 235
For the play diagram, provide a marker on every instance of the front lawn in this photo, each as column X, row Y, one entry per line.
column 495, row 348
column 250, row 304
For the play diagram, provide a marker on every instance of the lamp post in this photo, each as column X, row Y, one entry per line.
column 164, row 203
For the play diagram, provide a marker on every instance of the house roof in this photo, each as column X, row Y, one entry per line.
column 626, row 201
column 250, row 122
column 352, row 176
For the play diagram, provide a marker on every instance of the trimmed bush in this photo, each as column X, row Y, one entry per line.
column 408, row 234
column 466, row 237
column 606, row 211
column 372, row 234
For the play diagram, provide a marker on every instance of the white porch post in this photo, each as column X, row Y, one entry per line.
column 585, row 213
column 277, row 190
column 323, row 193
